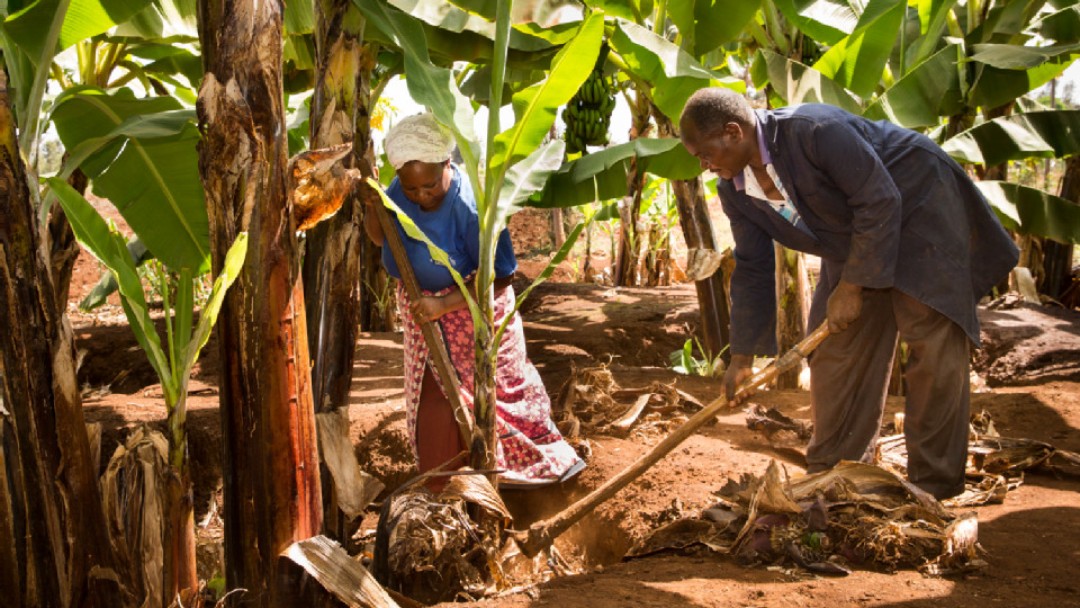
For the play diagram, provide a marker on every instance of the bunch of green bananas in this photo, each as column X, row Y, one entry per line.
column 588, row 114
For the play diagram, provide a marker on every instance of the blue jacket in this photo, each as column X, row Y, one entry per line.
column 887, row 208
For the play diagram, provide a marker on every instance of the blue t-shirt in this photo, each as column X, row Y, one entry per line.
column 455, row 228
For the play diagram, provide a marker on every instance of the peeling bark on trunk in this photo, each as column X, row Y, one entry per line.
column 332, row 261
column 271, row 472
column 57, row 529
column 792, row 305
column 698, row 233
column 63, row 248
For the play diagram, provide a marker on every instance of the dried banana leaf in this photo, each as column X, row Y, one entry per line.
column 339, row 573
column 429, row 549
column 779, row 429
column 354, row 489
column 133, row 491
column 856, row 513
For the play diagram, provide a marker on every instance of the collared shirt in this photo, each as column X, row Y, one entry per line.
column 748, row 182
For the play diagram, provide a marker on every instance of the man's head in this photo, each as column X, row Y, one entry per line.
column 419, row 149
column 718, row 127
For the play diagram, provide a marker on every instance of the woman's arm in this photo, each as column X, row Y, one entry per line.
column 430, row 308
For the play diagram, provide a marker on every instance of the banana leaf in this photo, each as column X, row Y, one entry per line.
column 996, row 86
column 535, row 107
column 1062, row 26
column 107, row 284
column 827, row 21
column 602, row 175
column 1047, row 134
column 429, row 85
column 708, row 24
column 446, row 16
column 796, row 82
column 672, row 72
column 1015, row 57
column 1033, row 211
column 140, row 154
column 525, row 179
column 858, row 60
column 83, row 19
column 928, row 91
column 110, row 248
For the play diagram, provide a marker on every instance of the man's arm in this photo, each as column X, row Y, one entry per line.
column 753, row 284
column 853, row 167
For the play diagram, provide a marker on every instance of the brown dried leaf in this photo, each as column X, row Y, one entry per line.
column 319, row 181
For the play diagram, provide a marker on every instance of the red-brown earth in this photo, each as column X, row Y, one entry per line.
column 1032, row 540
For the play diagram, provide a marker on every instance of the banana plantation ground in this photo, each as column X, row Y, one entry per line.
column 1030, row 359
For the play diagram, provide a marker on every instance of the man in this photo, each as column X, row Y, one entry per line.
column 907, row 245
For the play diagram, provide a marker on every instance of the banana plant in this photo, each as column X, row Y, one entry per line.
column 171, row 361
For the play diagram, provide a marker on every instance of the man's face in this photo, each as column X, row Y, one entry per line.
column 725, row 152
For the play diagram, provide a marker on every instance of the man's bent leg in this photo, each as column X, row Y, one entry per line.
column 849, row 377
column 938, row 396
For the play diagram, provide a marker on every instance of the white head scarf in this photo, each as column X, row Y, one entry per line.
column 418, row 137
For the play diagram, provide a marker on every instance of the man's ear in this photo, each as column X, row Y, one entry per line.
column 734, row 131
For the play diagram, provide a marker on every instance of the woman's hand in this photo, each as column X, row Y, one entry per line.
column 430, row 308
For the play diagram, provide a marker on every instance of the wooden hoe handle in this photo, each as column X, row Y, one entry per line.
column 541, row 534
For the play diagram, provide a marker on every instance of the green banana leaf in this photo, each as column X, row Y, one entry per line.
column 83, row 19
column 1062, row 26
column 1015, row 57
column 1033, row 211
column 706, row 25
column 1047, row 134
column 933, row 15
column 926, row 93
column 858, row 60
column 299, row 17
column 110, row 248
column 106, row 284
column 827, row 21
column 796, row 82
column 996, row 87
column 525, row 178
column 672, row 72
column 140, row 154
column 445, row 16
column 230, row 270
column 536, row 106
column 602, row 175
column 445, row 47
column 430, row 85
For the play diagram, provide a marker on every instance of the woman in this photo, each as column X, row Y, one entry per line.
column 439, row 199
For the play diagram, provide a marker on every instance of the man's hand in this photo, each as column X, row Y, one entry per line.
column 740, row 368
column 845, row 304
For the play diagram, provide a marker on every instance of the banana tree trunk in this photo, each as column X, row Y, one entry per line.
column 1057, row 257
column 271, row 471
column 332, row 262
column 624, row 263
column 482, row 448
column 698, row 234
column 55, row 525
column 181, row 579
column 793, row 307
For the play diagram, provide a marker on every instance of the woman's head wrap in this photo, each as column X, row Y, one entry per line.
column 418, row 137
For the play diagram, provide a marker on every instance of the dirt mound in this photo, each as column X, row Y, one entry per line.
column 1025, row 344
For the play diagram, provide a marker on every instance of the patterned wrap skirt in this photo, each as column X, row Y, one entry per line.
column 530, row 449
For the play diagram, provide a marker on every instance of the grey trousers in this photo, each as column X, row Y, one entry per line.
column 849, row 378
